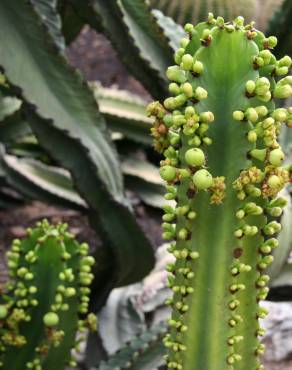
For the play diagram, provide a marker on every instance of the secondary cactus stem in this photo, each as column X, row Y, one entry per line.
column 50, row 277
column 219, row 135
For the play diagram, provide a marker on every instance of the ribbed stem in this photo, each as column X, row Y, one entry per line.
column 223, row 168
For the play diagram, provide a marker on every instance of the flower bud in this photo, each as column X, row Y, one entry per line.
column 187, row 62
column 201, row 93
column 168, row 173
column 276, row 157
column 176, row 74
column 238, row 115
column 195, row 157
column 203, row 179
column 198, row 67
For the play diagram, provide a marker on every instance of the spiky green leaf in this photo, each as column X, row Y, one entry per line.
column 65, row 118
column 138, row 39
column 124, row 112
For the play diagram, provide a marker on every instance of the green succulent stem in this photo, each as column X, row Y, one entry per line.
column 222, row 226
column 50, row 274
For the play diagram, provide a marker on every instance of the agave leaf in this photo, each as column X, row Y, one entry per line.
column 285, row 277
column 75, row 14
column 124, row 112
column 171, row 29
column 51, row 19
column 280, row 26
column 13, row 128
column 8, row 105
column 143, row 178
column 137, row 37
column 281, row 254
column 65, row 118
column 142, row 353
column 36, row 180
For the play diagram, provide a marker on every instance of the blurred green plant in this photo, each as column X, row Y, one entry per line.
column 195, row 11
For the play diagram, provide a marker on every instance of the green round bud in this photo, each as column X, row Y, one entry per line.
column 173, row 88
column 220, row 21
column 198, row 67
column 263, row 81
column 276, row 211
column 187, row 89
column 274, row 182
column 276, row 157
column 195, row 157
column 51, row 319
column 70, row 292
column 207, row 140
column 268, row 122
column 187, row 62
column 239, row 21
column 262, row 110
column 266, row 55
column 282, row 91
column 280, row 114
column 168, row 120
column 281, row 71
column 238, row 115
column 266, row 97
column 176, row 74
column 252, row 136
column 250, row 86
column 286, row 80
column 3, row 311
column 272, row 41
column 210, row 17
column 179, row 100
column 203, row 179
column 285, row 61
column 259, row 61
column 184, row 42
column 169, row 103
column 207, row 117
column 206, row 34
column 251, row 115
column 188, row 27
column 189, row 111
column 168, row 173
column 201, row 93
column 178, row 55
column 229, row 27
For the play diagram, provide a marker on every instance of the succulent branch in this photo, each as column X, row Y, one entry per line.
column 223, row 167
column 50, row 274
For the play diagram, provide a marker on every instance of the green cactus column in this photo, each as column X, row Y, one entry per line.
column 218, row 132
column 50, row 277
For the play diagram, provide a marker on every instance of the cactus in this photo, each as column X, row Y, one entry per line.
column 194, row 11
column 218, row 132
column 49, row 288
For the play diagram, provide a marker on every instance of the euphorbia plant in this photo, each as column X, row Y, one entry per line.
column 223, row 167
